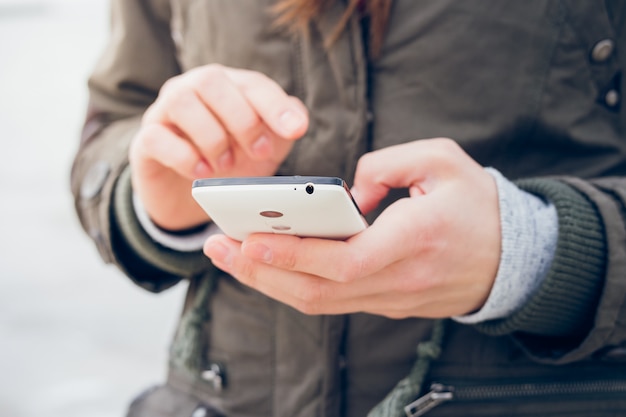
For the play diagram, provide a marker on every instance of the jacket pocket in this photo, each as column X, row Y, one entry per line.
column 574, row 398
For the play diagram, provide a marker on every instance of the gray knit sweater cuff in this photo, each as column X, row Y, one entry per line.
column 565, row 303
column 529, row 229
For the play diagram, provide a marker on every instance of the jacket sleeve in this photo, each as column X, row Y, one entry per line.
column 580, row 309
column 139, row 58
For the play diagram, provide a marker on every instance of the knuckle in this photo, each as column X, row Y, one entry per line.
column 211, row 77
column 289, row 260
column 308, row 299
column 371, row 168
column 152, row 114
column 245, row 273
column 213, row 69
column 446, row 143
column 346, row 274
column 447, row 152
column 351, row 271
column 252, row 79
column 247, row 125
column 217, row 142
column 146, row 139
column 310, row 294
column 153, row 142
column 172, row 87
column 307, row 308
column 213, row 139
column 365, row 161
column 179, row 99
column 170, row 84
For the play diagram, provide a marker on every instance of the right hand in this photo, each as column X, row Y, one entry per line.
column 208, row 122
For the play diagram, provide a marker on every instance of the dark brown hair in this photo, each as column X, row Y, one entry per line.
column 297, row 14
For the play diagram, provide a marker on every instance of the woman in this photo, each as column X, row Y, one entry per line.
column 468, row 294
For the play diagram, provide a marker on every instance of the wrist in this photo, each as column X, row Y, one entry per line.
column 529, row 230
column 185, row 240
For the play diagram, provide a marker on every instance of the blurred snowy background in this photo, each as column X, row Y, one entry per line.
column 76, row 337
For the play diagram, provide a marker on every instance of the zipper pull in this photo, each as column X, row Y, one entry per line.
column 214, row 376
column 438, row 393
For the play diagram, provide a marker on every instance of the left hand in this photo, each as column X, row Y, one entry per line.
column 434, row 254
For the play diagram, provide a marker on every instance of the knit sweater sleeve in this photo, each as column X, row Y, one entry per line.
column 561, row 312
column 529, row 229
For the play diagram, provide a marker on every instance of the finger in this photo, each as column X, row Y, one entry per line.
column 418, row 166
column 283, row 114
column 160, row 144
column 314, row 295
column 380, row 245
column 303, row 255
column 227, row 101
column 278, row 284
column 378, row 294
column 184, row 109
column 304, row 292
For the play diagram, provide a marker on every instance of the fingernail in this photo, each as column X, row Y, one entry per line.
column 225, row 161
column 257, row 251
column 202, row 169
column 291, row 120
column 219, row 253
column 262, row 146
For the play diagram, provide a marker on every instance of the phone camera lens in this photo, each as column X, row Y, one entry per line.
column 309, row 188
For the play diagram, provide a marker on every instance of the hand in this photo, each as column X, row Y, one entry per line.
column 434, row 254
column 210, row 121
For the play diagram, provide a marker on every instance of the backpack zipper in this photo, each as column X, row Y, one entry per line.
column 441, row 393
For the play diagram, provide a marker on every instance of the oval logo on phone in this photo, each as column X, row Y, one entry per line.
column 271, row 214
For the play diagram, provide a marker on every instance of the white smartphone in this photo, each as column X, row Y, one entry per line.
column 297, row 205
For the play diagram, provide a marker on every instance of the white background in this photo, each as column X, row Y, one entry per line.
column 76, row 337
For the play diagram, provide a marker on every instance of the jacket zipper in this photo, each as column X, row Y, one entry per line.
column 441, row 393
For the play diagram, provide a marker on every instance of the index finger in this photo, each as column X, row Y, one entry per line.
column 284, row 114
column 343, row 261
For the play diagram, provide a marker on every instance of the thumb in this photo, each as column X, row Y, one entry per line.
column 417, row 165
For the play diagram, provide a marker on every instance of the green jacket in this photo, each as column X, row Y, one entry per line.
column 531, row 88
